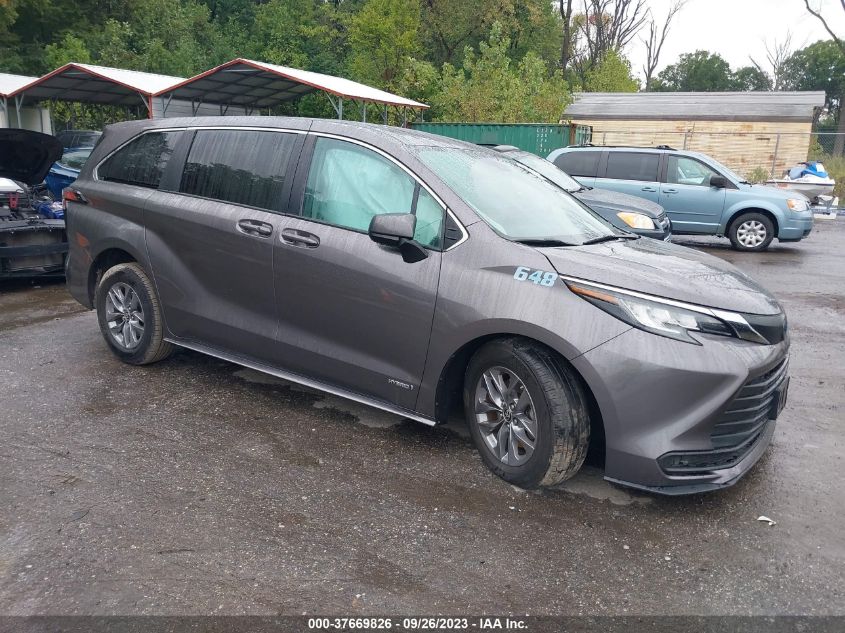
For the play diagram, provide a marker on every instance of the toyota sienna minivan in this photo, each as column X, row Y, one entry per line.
column 426, row 276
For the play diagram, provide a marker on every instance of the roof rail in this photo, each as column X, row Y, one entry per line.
column 666, row 147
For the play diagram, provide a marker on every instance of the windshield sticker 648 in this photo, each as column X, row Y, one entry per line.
column 539, row 277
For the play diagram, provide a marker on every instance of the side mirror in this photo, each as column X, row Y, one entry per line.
column 391, row 229
column 720, row 182
column 397, row 230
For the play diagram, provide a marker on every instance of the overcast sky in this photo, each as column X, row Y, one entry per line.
column 737, row 28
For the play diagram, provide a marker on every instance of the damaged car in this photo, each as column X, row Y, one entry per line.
column 33, row 240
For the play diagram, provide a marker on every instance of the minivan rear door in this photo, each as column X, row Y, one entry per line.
column 210, row 231
column 631, row 172
column 352, row 313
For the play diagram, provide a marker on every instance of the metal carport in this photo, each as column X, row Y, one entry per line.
column 253, row 85
column 86, row 83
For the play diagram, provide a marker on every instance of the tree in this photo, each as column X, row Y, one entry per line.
column 818, row 15
column 382, row 35
column 821, row 66
column 696, row 72
column 751, row 78
column 490, row 87
column 567, row 43
column 656, row 39
column 611, row 74
column 610, row 25
column 776, row 54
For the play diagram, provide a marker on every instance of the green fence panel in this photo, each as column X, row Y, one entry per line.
column 537, row 138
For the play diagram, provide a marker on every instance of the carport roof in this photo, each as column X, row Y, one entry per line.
column 248, row 83
column 96, row 84
column 11, row 83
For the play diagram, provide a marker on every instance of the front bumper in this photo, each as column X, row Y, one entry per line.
column 796, row 227
column 660, row 398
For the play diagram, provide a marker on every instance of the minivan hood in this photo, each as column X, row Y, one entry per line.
column 771, row 193
column 619, row 201
column 26, row 156
column 665, row 270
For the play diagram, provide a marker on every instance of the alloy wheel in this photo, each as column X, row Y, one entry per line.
column 124, row 315
column 506, row 416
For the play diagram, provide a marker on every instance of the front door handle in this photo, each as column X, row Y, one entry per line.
column 303, row 239
column 651, row 189
column 255, row 227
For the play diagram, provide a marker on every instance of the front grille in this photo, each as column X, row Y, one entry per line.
column 663, row 221
column 748, row 413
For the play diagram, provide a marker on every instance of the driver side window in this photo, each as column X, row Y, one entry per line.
column 348, row 184
column 688, row 171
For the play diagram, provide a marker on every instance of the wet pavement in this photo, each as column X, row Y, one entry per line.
column 198, row 487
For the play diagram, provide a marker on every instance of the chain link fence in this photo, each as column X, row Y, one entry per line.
column 756, row 156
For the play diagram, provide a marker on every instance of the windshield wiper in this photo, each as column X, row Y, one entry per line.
column 545, row 242
column 608, row 238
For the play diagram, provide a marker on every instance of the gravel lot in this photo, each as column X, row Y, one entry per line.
column 198, row 487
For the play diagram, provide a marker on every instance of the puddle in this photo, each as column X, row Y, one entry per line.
column 590, row 482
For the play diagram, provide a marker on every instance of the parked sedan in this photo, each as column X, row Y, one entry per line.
column 623, row 211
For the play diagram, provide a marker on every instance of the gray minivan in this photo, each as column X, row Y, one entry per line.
column 428, row 277
column 700, row 195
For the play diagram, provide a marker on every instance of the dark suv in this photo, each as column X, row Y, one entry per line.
column 426, row 276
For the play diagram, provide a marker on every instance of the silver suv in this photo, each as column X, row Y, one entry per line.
column 426, row 277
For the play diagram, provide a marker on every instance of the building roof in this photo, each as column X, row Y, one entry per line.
column 96, row 84
column 10, row 83
column 249, row 83
column 686, row 106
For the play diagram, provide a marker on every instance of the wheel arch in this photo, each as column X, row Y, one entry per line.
column 735, row 214
column 450, row 384
column 107, row 257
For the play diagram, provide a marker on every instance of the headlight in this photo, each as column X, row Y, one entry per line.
column 798, row 204
column 636, row 220
column 665, row 317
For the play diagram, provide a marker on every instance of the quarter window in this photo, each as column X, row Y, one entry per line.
column 239, row 166
column 142, row 161
column 688, row 171
column 349, row 184
column 632, row 166
column 584, row 164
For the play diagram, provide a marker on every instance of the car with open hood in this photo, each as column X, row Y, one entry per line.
column 429, row 278
column 630, row 213
column 32, row 242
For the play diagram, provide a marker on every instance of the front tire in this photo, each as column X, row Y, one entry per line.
column 751, row 232
column 129, row 314
column 527, row 413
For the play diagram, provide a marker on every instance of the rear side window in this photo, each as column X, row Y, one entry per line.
column 583, row 164
column 239, row 166
column 632, row 166
column 141, row 162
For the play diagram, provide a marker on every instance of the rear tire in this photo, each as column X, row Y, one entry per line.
column 539, row 432
column 751, row 232
column 129, row 314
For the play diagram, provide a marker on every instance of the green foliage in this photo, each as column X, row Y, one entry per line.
column 819, row 66
column 382, row 35
column 700, row 71
column 70, row 49
column 490, row 87
column 751, row 78
column 612, row 74
column 758, row 175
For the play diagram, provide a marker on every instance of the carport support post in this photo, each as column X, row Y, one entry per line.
column 385, row 114
column 364, row 111
column 5, row 106
column 18, row 105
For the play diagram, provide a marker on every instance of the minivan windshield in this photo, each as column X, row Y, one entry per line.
column 516, row 202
